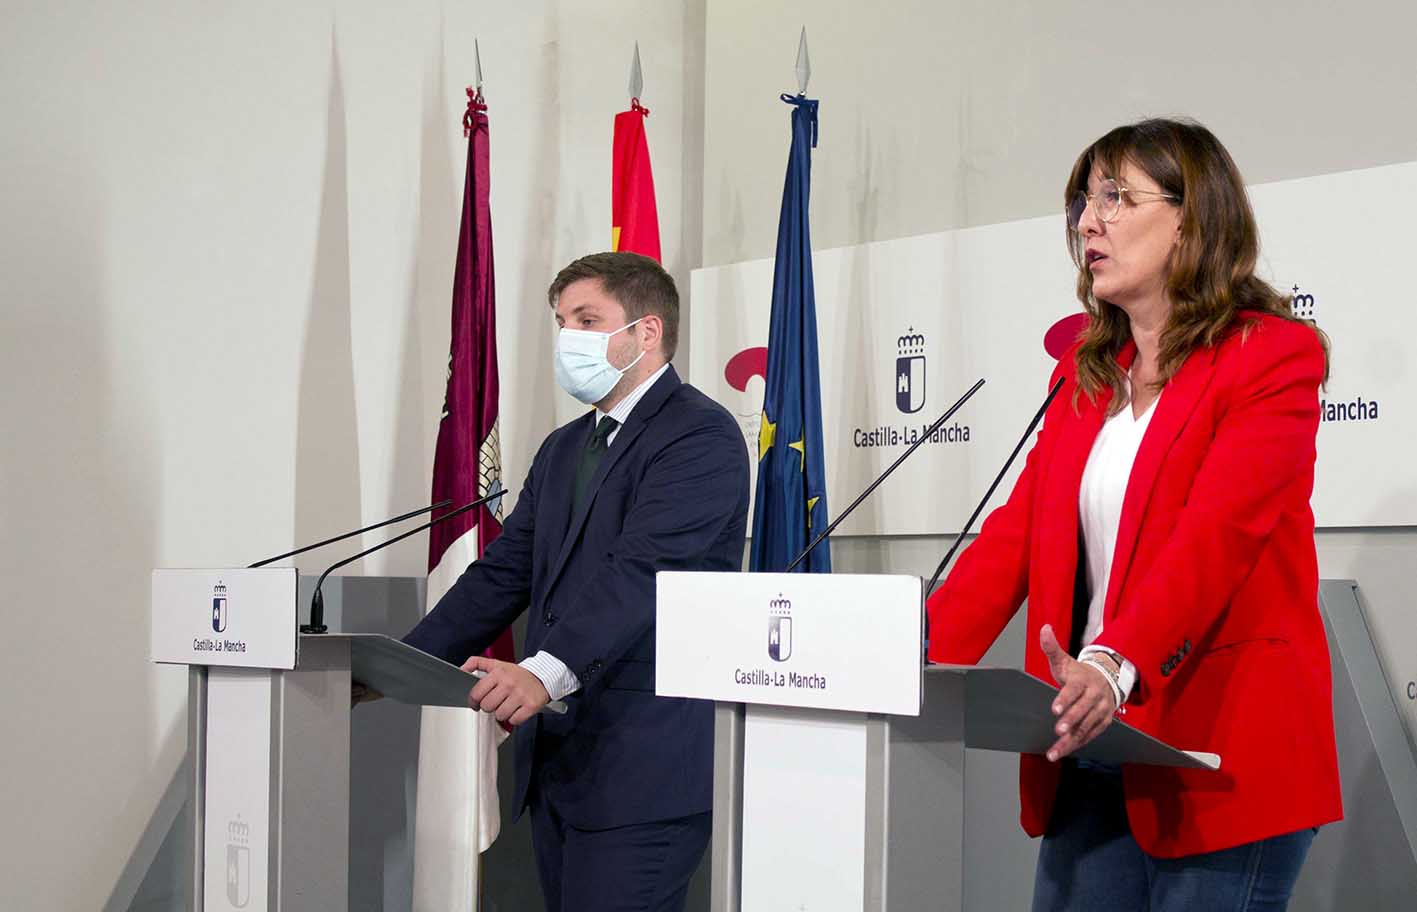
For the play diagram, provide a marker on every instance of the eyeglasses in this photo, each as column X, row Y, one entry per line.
column 1106, row 202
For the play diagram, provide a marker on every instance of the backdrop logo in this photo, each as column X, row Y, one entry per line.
column 910, row 372
column 219, row 608
column 238, row 863
column 1062, row 334
column 780, row 629
column 744, row 366
column 1303, row 305
column 741, row 368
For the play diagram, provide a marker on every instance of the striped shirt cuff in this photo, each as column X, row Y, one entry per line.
column 558, row 680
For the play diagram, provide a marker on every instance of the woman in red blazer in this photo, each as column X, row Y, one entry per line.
column 1161, row 532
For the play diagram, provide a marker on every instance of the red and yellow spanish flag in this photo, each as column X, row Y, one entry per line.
column 634, row 221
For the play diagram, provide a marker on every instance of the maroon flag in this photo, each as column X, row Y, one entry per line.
column 457, row 811
column 467, row 463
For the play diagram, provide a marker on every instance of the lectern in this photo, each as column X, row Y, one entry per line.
column 268, row 732
column 839, row 756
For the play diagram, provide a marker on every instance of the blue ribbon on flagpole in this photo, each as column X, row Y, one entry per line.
column 802, row 101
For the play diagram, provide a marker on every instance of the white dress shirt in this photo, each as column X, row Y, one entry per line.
column 1104, row 487
column 558, row 679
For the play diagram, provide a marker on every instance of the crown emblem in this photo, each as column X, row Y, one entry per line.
column 912, row 343
column 220, row 589
column 779, row 628
column 237, row 831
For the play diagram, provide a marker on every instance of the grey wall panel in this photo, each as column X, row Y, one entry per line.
column 383, row 764
column 1369, row 859
column 999, row 857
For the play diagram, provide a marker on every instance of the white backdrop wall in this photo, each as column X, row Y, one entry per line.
column 226, row 239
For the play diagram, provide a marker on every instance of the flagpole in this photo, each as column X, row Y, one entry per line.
column 480, row 882
column 791, row 488
column 457, row 802
column 634, row 217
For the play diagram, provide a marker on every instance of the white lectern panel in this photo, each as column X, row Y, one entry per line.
column 825, row 641
column 231, row 616
column 238, row 797
column 804, row 810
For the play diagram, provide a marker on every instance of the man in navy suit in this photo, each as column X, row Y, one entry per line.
column 654, row 478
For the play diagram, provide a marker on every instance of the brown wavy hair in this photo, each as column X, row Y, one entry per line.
column 1210, row 275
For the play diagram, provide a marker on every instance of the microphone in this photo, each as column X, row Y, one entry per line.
column 873, row 485
column 990, row 493
column 331, row 541
column 317, row 601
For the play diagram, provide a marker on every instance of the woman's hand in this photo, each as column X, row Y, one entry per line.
column 1085, row 703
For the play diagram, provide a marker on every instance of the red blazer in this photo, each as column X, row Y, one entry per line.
column 1213, row 594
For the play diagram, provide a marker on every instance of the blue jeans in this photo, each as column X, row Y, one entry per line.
column 1089, row 860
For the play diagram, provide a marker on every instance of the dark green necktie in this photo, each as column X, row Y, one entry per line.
column 591, row 456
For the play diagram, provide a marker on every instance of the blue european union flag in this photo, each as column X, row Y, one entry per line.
column 791, row 503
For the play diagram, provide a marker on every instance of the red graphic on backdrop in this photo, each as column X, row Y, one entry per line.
column 747, row 364
column 753, row 362
column 1063, row 334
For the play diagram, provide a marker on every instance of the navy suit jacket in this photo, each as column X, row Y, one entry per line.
column 670, row 494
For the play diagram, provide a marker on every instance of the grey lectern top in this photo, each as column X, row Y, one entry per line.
column 406, row 674
column 1010, row 710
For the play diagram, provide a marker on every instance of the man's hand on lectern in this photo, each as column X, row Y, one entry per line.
column 1085, row 702
column 359, row 693
column 507, row 690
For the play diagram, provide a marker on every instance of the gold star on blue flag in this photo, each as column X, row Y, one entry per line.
column 791, row 498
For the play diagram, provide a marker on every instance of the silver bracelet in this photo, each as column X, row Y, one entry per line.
column 1112, row 680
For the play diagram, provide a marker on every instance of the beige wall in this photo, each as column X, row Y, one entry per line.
column 226, row 238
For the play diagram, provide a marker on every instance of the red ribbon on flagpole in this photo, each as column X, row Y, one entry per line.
column 475, row 106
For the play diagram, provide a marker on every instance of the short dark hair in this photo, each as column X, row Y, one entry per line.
column 639, row 283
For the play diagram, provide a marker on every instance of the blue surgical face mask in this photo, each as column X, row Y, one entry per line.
column 582, row 366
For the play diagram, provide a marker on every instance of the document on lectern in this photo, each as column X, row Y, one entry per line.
column 401, row 672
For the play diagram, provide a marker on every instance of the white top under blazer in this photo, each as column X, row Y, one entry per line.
column 1104, row 487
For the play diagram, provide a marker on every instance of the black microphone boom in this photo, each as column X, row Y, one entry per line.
column 317, row 601
column 331, row 541
column 873, row 485
column 990, row 493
